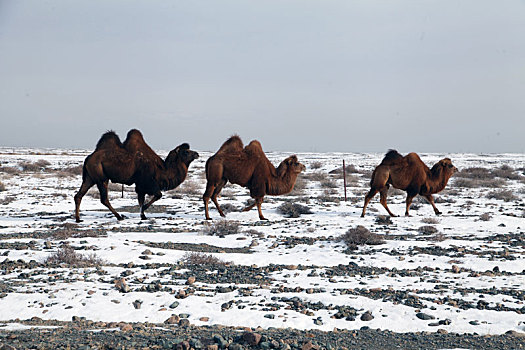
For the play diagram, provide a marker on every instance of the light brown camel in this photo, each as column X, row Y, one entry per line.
column 409, row 174
column 133, row 162
column 248, row 167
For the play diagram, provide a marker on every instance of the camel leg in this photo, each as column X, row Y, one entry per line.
column 87, row 183
column 141, row 197
column 206, row 198
column 430, row 199
column 216, row 192
column 155, row 198
column 410, row 197
column 368, row 198
column 383, row 194
column 259, row 201
column 103, row 189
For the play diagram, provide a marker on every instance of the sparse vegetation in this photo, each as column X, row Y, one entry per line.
column 427, row 229
column 2, row 186
column 39, row 165
column 196, row 258
column 293, row 210
column 485, row 217
column 430, row 221
column 222, row 228
column 360, row 235
column 316, row 165
column 190, row 188
column 504, row 195
column 67, row 256
column 438, row 237
column 383, row 220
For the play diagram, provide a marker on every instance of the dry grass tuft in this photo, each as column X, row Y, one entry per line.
column 222, row 228
column 2, row 186
column 67, row 256
column 360, row 235
column 196, row 258
column 293, row 210
column 504, row 195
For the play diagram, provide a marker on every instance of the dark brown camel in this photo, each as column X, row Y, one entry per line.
column 132, row 162
column 248, row 167
column 409, row 174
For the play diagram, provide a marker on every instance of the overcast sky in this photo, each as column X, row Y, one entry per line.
column 326, row 75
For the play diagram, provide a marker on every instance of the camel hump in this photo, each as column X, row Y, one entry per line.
column 391, row 156
column 254, row 147
column 234, row 143
column 109, row 140
column 133, row 135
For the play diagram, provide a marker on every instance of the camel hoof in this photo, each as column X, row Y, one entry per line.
column 78, row 220
column 362, row 215
column 222, row 214
column 438, row 213
column 143, row 218
column 263, row 218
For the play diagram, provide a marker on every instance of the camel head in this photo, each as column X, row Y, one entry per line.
column 448, row 168
column 291, row 165
column 182, row 153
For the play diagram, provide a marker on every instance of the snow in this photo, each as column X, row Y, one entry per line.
column 43, row 201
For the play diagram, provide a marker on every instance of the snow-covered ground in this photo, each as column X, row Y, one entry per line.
column 466, row 270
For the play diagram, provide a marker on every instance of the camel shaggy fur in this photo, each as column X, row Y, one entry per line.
column 132, row 162
column 248, row 167
column 409, row 174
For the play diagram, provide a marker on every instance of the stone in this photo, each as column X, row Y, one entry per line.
column 174, row 319
column 184, row 322
column 251, row 338
column 174, row 305
column 423, row 316
column 137, row 304
column 455, row 269
column 367, row 316
column 125, row 327
column 190, row 280
column 121, row 285
column 204, row 319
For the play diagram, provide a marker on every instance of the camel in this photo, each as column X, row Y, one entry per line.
column 409, row 174
column 249, row 168
column 132, row 162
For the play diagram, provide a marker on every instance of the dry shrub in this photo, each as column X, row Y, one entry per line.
column 229, row 208
column 7, row 200
column 293, row 210
column 316, row 176
column 427, row 229
column 196, row 258
column 316, row 165
column 39, row 165
column 475, row 183
column 350, row 169
column 438, row 237
column 506, row 172
column 475, row 173
column 72, row 170
column 383, row 220
column 505, row 195
column 485, row 217
column 360, row 235
column 67, row 256
column 222, row 228
column 9, row 170
column 430, row 221
column 299, row 186
column 328, row 183
column 327, row 196
column 2, row 186
column 190, row 188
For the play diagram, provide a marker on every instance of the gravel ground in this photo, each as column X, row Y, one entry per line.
column 90, row 335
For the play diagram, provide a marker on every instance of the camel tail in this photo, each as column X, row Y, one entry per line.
column 108, row 140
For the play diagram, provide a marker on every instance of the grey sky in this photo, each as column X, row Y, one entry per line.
column 326, row 75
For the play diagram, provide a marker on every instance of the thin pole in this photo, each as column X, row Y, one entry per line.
column 122, row 190
column 344, row 177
